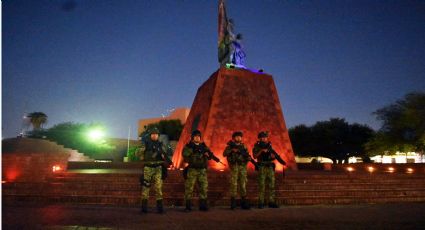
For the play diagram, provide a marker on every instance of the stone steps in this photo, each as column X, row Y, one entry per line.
column 224, row 194
column 179, row 187
column 298, row 188
column 135, row 201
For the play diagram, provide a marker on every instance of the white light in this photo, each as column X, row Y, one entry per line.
column 56, row 168
column 95, row 134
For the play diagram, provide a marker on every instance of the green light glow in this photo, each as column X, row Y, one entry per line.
column 96, row 134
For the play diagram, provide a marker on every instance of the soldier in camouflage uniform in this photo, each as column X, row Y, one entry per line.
column 154, row 158
column 197, row 154
column 265, row 156
column 237, row 156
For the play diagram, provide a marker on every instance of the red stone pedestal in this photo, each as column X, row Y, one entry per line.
column 232, row 100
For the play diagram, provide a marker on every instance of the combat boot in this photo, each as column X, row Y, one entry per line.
column 232, row 203
column 203, row 206
column 144, row 206
column 159, row 206
column 188, row 206
column 273, row 205
column 245, row 204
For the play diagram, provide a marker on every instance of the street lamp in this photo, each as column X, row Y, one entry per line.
column 95, row 134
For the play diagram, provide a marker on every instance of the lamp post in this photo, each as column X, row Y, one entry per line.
column 128, row 143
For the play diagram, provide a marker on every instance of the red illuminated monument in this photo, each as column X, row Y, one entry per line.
column 236, row 100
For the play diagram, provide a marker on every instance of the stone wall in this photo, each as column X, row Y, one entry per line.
column 26, row 159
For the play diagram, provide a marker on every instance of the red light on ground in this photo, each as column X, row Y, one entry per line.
column 370, row 169
column 350, row 169
column 391, row 169
column 409, row 170
column 56, row 168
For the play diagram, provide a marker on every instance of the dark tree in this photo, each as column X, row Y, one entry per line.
column 334, row 139
column 74, row 136
column 37, row 119
column 403, row 126
column 299, row 136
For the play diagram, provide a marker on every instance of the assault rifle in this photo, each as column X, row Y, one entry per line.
column 268, row 149
column 245, row 153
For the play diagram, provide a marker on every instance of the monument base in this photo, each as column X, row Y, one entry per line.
column 237, row 100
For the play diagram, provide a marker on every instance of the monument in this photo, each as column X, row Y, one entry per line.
column 235, row 98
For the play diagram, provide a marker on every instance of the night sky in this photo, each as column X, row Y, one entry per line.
column 115, row 62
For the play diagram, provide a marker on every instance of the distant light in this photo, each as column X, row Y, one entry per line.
column 391, row 169
column 221, row 170
column 103, row 161
column 56, row 168
column 3, row 182
column 95, row 134
column 410, row 170
column 370, row 169
column 350, row 169
column 181, row 169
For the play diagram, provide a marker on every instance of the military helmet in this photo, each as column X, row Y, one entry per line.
column 154, row 130
column 196, row 133
column 263, row 134
column 237, row 133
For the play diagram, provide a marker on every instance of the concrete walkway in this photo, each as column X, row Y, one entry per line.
column 377, row 216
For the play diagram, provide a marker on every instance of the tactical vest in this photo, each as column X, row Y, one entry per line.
column 153, row 151
column 196, row 158
column 264, row 157
column 241, row 157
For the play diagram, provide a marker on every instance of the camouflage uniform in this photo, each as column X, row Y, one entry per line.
column 238, row 160
column 266, row 173
column 154, row 158
column 237, row 157
column 153, row 163
column 193, row 154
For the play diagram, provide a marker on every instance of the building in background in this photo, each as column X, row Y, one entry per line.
column 177, row 114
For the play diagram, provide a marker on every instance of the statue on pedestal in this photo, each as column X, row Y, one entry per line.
column 230, row 50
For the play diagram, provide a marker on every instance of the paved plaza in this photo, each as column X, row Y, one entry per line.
column 371, row 216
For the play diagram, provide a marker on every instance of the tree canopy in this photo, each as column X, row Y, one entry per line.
column 334, row 139
column 403, row 126
column 75, row 136
column 37, row 119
